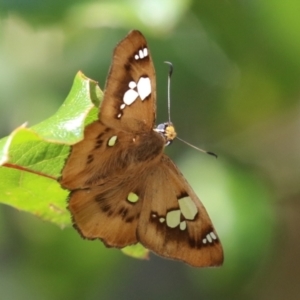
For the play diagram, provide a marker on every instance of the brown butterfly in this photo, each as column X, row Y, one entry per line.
column 124, row 189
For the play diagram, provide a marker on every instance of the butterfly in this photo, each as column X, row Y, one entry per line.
column 124, row 189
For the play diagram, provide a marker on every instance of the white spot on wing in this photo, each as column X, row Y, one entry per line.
column 141, row 54
column 143, row 87
column 204, row 241
column 130, row 96
column 132, row 84
column 119, row 115
column 122, row 106
column 209, row 238
column 161, row 220
column 213, row 235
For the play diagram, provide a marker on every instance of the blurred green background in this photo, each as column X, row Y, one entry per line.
column 235, row 91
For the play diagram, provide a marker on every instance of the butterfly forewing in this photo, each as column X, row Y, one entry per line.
column 124, row 190
column 130, row 92
column 91, row 160
column 173, row 221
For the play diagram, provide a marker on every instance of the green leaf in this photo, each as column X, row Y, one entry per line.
column 79, row 109
column 35, row 194
column 136, row 251
column 32, row 159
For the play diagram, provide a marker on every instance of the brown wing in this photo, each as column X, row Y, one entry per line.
column 125, row 111
column 100, row 154
column 130, row 92
column 89, row 159
column 109, row 212
column 173, row 221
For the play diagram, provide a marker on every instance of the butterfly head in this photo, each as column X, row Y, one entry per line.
column 168, row 132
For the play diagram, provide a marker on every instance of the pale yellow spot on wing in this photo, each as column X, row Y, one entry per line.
column 173, row 218
column 182, row 225
column 132, row 197
column 112, row 141
column 188, row 208
column 161, row 220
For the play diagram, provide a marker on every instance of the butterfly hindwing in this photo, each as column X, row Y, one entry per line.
column 173, row 221
column 107, row 213
column 130, row 92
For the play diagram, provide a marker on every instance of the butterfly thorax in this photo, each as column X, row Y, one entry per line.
column 147, row 146
column 167, row 130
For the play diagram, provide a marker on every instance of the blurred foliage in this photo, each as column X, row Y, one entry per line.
column 235, row 90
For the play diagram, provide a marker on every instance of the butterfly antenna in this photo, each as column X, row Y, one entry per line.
column 199, row 149
column 169, row 112
column 169, row 88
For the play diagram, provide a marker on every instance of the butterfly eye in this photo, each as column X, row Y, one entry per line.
column 161, row 127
